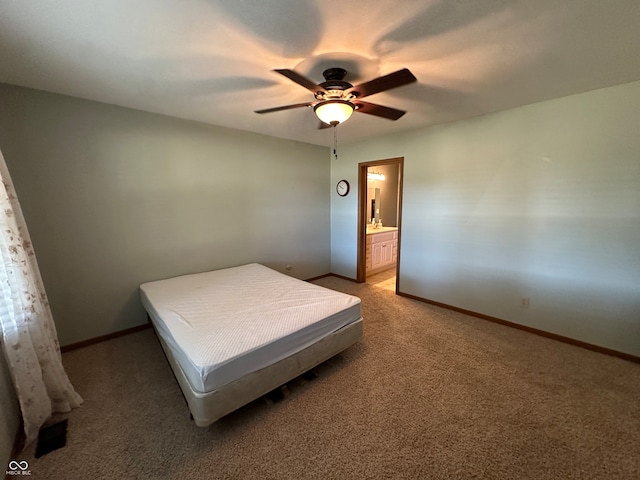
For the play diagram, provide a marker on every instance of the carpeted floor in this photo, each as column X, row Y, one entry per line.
column 427, row 394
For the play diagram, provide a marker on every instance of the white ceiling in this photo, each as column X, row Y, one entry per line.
column 211, row 60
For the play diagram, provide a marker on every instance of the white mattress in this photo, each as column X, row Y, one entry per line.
column 224, row 324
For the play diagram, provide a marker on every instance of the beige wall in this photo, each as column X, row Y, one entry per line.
column 389, row 193
column 538, row 202
column 115, row 197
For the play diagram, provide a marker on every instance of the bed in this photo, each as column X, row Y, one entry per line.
column 235, row 334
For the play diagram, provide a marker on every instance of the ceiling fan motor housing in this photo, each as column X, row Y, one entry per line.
column 334, row 73
column 334, row 81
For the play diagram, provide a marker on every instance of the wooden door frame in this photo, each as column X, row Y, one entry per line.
column 361, row 272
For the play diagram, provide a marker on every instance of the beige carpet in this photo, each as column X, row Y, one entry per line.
column 428, row 394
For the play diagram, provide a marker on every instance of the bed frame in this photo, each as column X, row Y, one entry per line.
column 208, row 407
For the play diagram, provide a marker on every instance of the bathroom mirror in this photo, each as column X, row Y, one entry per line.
column 375, row 201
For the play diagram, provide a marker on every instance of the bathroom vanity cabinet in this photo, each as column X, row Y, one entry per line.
column 382, row 249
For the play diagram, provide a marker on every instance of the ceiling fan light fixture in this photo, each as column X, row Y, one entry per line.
column 334, row 112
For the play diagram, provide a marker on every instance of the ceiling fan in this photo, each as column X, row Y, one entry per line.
column 336, row 100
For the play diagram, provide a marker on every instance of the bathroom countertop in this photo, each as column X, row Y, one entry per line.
column 371, row 231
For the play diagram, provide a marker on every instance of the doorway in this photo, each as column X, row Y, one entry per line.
column 380, row 196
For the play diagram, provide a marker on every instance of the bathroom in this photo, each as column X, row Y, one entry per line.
column 382, row 222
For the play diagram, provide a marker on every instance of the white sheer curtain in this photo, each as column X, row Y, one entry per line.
column 29, row 337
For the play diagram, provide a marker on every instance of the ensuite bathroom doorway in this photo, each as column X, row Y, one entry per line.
column 379, row 222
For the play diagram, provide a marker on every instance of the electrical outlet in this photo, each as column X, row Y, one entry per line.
column 524, row 302
column 289, row 267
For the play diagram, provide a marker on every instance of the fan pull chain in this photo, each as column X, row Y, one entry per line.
column 335, row 142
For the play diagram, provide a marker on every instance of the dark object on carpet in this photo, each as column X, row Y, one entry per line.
column 274, row 396
column 51, row 437
column 309, row 375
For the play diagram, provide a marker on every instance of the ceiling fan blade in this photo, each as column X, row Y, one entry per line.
column 300, row 80
column 380, row 84
column 378, row 110
column 285, row 107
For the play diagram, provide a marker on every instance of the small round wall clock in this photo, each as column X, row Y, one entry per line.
column 343, row 188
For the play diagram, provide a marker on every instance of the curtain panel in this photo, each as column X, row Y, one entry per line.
column 29, row 337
